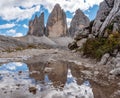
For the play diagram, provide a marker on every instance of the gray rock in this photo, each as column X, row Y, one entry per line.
column 118, row 65
column 115, row 61
column 36, row 26
column 116, row 94
column 104, row 59
column 115, row 71
column 118, row 55
column 72, row 45
column 91, row 36
column 108, row 13
column 106, row 34
column 81, row 42
column 101, row 16
column 82, row 33
column 116, row 27
column 78, row 22
column 48, row 70
column 112, row 15
column 56, row 24
column 88, row 74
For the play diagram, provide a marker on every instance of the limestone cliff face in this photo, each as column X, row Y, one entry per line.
column 36, row 26
column 108, row 14
column 57, row 24
column 78, row 22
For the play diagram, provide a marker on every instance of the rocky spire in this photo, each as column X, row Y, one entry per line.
column 36, row 26
column 56, row 24
column 78, row 22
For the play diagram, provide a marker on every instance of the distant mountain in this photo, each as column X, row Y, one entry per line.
column 79, row 21
column 57, row 24
column 36, row 26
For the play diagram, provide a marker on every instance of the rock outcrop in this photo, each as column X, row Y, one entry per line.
column 36, row 26
column 78, row 22
column 108, row 15
column 56, row 25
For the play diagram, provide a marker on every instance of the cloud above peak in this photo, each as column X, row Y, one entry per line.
column 7, row 26
column 17, row 13
column 24, row 9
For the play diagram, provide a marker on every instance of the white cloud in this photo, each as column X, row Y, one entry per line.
column 18, row 35
column 25, row 26
column 87, row 15
column 13, row 65
column 11, row 13
column 11, row 10
column 13, row 33
column 18, row 63
column 7, row 26
column 68, row 21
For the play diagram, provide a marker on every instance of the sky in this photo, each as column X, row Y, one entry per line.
column 16, row 14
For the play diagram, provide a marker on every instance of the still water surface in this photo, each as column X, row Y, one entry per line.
column 39, row 80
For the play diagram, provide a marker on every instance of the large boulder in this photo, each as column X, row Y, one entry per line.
column 115, row 72
column 72, row 45
column 108, row 16
column 78, row 22
column 56, row 24
column 36, row 26
column 104, row 59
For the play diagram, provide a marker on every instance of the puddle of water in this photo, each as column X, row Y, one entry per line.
column 55, row 80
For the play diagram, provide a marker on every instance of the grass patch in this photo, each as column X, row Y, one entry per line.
column 30, row 46
column 97, row 47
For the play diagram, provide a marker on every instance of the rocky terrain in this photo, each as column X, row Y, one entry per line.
column 8, row 44
column 45, row 51
column 102, row 42
column 104, row 27
column 108, row 14
column 102, row 81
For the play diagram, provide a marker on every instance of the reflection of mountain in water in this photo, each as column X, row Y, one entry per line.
column 48, row 80
column 73, row 89
column 70, row 90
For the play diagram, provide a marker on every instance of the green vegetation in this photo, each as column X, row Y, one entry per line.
column 30, row 46
column 97, row 47
column 109, row 28
column 19, row 48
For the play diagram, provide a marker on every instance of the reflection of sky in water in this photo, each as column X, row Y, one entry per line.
column 15, row 73
column 46, row 79
column 13, row 67
column 70, row 78
column 71, row 87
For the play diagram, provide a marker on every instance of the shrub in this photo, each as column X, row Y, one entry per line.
column 97, row 47
column 110, row 27
column 19, row 48
column 31, row 46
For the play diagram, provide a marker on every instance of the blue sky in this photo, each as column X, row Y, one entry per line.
column 15, row 15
